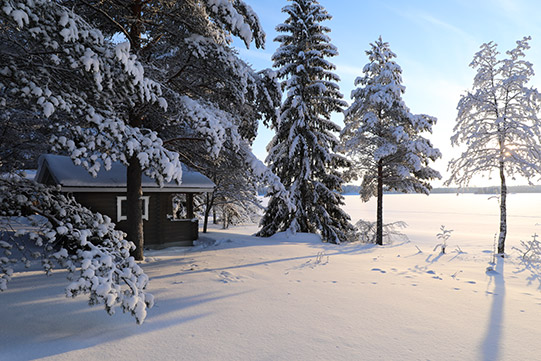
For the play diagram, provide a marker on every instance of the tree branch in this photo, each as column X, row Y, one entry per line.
column 116, row 23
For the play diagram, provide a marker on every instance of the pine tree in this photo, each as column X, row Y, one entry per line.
column 211, row 94
column 158, row 32
column 498, row 123
column 57, row 68
column 302, row 153
column 383, row 137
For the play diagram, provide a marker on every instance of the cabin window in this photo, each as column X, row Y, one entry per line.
column 121, row 205
column 180, row 206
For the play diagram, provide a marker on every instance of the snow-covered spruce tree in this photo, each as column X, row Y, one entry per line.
column 211, row 93
column 383, row 138
column 302, row 153
column 498, row 123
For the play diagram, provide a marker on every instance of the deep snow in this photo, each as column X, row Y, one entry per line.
column 238, row 297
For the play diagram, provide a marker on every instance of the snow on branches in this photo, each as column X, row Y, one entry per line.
column 498, row 120
column 302, row 153
column 381, row 131
column 87, row 146
column 239, row 18
column 383, row 138
column 58, row 43
column 498, row 123
column 68, row 72
column 66, row 234
column 219, row 129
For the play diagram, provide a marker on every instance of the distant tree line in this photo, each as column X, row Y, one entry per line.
column 350, row 189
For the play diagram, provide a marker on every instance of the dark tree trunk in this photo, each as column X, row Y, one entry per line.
column 134, row 172
column 205, row 221
column 379, row 224
column 503, row 211
column 134, row 207
column 189, row 206
column 224, row 216
column 208, row 206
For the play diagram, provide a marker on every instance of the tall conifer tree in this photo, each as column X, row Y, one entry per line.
column 383, row 137
column 302, row 153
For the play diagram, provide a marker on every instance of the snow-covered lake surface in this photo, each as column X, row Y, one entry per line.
column 474, row 218
column 238, row 297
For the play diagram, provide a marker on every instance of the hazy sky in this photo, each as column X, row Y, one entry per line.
column 434, row 41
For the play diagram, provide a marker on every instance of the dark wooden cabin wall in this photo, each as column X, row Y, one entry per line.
column 159, row 230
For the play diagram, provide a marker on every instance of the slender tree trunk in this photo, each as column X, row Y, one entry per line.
column 224, row 216
column 503, row 211
column 134, row 207
column 207, row 212
column 208, row 206
column 134, row 171
column 379, row 225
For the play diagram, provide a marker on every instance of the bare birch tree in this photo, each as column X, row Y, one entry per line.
column 498, row 123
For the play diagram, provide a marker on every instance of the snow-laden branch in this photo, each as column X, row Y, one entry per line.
column 498, row 122
column 112, row 140
column 86, row 244
column 239, row 18
column 87, row 84
column 380, row 130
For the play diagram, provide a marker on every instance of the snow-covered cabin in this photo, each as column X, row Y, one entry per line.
column 106, row 194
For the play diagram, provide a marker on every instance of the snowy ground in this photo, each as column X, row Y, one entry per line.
column 237, row 297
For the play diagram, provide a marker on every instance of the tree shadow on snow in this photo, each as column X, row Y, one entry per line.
column 324, row 250
column 229, row 240
column 491, row 345
column 39, row 321
column 534, row 270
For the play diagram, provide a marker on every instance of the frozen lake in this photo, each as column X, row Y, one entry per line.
column 473, row 217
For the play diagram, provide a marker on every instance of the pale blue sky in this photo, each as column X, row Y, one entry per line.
column 434, row 41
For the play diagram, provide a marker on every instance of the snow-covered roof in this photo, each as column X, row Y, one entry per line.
column 59, row 169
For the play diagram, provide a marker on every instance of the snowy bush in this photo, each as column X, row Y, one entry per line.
column 530, row 250
column 367, row 231
column 86, row 244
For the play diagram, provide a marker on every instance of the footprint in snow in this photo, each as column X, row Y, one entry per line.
column 227, row 277
column 378, row 270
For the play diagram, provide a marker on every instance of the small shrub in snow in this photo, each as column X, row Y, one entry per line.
column 367, row 231
column 443, row 237
column 530, row 250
